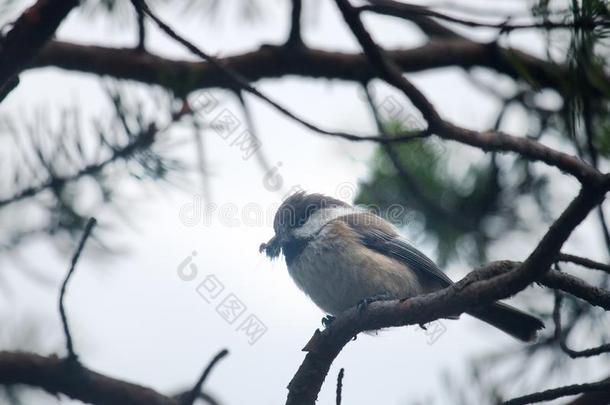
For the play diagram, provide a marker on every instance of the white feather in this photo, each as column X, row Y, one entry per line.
column 321, row 217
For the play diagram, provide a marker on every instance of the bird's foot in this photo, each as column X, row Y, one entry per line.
column 327, row 320
column 363, row 305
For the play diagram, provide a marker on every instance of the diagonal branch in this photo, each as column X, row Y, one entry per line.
column 192, row 395
column 239, row 82
column 62, row 292
column 29, row 33
column 548, row 395
column 490, row 140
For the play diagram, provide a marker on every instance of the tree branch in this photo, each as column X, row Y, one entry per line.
column 555, row 393
column 190, row 397
column 408, row 11
column 583, row 261
column 562, row 337
column 339, row 386
column 29, row 33
column 271, row 61
column 55, row 375
column 62, row 311
column 295, row 37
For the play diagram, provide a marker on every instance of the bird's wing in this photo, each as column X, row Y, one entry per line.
column 375, row 233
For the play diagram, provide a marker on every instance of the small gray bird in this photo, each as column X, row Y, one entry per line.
column 343, row 256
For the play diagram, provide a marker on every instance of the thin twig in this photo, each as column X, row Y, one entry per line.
column 142, row 141
column 583, row 261
column 240, row 82
column 555, row 393
column 191, row 396
column 141, row 29
column 340, row 385
column 561, row 337
column 295, row 37
column 403, row 10
column 62, row 292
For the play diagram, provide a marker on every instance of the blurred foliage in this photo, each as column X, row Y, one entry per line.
column 464, row 209
column 72, row 172
column 461, row 209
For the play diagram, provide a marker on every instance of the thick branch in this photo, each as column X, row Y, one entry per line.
column 270, row 62
column 56, row 375
column 29, row 33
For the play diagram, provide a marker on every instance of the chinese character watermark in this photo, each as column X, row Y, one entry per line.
column 228, row 305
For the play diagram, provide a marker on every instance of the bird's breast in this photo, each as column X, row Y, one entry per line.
column 337, row 271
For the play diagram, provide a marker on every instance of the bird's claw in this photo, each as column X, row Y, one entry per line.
column 364, row 303
column 327, row 320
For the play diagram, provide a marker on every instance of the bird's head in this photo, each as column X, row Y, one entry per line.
column 291, row 223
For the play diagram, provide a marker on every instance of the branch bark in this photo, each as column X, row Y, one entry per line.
column 56, row 375
column 271, row 61
column 29, row 33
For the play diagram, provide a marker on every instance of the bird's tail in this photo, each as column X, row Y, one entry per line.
column 510, row 320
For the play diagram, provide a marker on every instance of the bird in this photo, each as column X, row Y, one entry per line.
column 345, row 256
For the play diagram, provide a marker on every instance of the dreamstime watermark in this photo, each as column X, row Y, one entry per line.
column 228, row 305
column 199, row 212
column 226, row 124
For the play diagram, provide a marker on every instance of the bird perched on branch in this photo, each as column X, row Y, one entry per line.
column 342, row 256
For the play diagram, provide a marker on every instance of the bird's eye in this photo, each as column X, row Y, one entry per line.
column 309, row 210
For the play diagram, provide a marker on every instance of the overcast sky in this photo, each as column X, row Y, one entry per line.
column 133, row 317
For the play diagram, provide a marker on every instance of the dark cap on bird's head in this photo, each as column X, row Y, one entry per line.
column 292, row 214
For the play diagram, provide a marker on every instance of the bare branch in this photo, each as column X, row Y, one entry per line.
column 339, row 386
column 62, row 311
column 385, row 67
column 593, row 397
column 579, row 288
column 555, row 393
column 55, row 375
column 271, row 61
column 403, row 10
column 562, row 337
column 29, row 33
column 428, row 25
column 295, row 38
column 239, row 82
column 583, row 261
column 141, row 46
column 190, row 397
column 142, row 141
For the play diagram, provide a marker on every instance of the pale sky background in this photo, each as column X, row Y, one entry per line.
column 132, row 316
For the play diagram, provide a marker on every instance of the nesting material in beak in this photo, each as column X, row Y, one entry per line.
column 271, row 248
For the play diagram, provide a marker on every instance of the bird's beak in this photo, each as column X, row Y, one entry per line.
column 272, row 247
